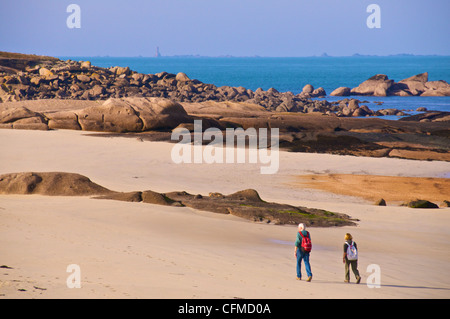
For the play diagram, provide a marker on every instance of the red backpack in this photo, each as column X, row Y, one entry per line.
column 306, row 242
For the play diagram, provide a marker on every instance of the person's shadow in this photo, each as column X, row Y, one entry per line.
column 318, row 281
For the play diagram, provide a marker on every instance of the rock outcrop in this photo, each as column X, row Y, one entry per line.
column 420, row 203
column 13, row 63
column 20, row 117
column 248, row 204
column 423, row 136
column 110, row 118
column 377, row 85
column 50, row 183
column 381, row 85
column 380, row 202
column 245, row 204
column 113, row 115
column 341, row 91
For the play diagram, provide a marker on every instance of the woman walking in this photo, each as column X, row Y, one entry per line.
column 350, row 258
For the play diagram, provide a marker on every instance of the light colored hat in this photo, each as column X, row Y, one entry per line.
column 301, row 227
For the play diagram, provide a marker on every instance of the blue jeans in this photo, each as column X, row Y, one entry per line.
column 305, row 256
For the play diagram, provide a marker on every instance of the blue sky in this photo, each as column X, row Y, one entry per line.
column 225, row 27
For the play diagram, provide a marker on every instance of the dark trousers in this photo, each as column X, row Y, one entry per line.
column 354, row 265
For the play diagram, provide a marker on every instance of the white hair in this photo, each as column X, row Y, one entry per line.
column 301, row 227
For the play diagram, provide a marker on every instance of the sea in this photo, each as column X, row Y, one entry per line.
column 292, row 74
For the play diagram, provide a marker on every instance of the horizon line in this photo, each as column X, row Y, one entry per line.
column 254, row 56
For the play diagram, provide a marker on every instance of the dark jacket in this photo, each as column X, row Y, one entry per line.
column 346, row 244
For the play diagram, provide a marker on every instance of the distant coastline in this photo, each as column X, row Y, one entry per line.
column 256, row 56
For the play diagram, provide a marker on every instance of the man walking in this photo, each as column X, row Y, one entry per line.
column 302, row 250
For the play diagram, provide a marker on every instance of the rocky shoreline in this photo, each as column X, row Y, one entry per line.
column 56, row 79
column 424, row 137
column 46, row 93
column 26, row 78
column 381, row 85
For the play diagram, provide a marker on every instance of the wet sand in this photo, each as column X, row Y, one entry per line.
column 373, row 187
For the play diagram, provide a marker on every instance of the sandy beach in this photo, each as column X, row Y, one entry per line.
column 173, row 153
column 137, row 250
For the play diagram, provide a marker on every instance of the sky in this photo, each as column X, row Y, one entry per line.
column 281, row 28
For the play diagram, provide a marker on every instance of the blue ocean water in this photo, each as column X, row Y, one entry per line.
column 292, row 74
